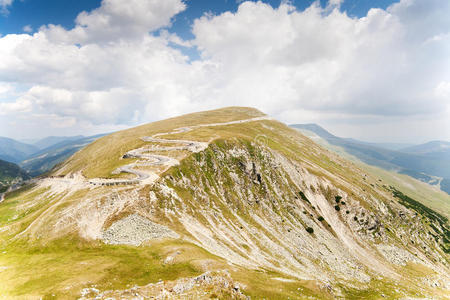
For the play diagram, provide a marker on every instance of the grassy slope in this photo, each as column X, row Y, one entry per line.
column 61, row 268
column 420, row 191
column 71, row 263
column 411, row 163
column 101, row 157
column 64, row 265
column 284, row 140
column 10, row 172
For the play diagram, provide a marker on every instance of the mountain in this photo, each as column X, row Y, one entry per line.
column 429, row 148
column 431, row 167
column 42, row 156
column 14, row 151
column 10, row 173
column 320, row 131
column 389, row 146
column 45, row 159
column 29, row 141
column 225, row 204
column 437, row 151
column 53, row 140
column 316, row 129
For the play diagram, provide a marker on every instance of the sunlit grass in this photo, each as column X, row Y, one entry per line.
column 103, row 156
column 62, row 266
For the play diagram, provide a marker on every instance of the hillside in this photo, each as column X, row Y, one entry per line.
column 45, row 159
column 427, row 194
column 226, row 203
column 44, row 154
column 429, row 148
column 53, row 140
column 14, row 151
column 428, row 162
column 10, row 173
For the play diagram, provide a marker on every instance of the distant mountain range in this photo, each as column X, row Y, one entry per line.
column 53, row 140
column 45, row 159
column 15, row 151
column 44, row 154
column 436, row 147
column 429, row 162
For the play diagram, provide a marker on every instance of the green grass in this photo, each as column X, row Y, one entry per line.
column 10, row 208
column 63, row 267
column 376, row 290
column 443, row 231
column 428, row 195
column 117, row 144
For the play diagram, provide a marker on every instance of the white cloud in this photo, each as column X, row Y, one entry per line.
column 442, row 91
column 336, row 2
column 117, row 20
column 331, row 62
column 20, row 105
column 5, row 89
column 175, row 39
column 27, row 28
column 4, row 6
column 110, row 70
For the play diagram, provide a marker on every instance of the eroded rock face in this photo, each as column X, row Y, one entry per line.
column 261, row 208
column 253, row 206
column 134, row 230
column 396, row 255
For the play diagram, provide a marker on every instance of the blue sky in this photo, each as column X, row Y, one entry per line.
column 378, row 75
column 37, row 13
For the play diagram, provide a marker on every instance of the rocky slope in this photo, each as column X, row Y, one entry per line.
column 261, row 210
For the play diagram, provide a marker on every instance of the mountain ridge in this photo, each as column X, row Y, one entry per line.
column 53, row 140
column 429, row 147
column 45, row 159
column 261, row 206
column 14, row 151
column 421, row 165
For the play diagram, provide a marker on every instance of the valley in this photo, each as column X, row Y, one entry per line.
column 429, row 162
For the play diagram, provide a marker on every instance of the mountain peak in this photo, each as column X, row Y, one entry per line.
column 228, row 195
column 317, row 129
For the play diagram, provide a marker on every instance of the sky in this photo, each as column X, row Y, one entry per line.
column 373, row 70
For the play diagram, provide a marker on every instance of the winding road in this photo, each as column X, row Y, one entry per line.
column 146, row 158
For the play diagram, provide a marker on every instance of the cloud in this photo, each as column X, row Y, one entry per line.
column 117, row 20
column 4, row 4
column 442, row 91
column 27, row 28
column 5, row 89
column 333, row 4
column 21, row 105
column 329, row 62
column 111, row 70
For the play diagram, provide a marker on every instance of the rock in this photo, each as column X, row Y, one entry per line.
column 134, row 230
